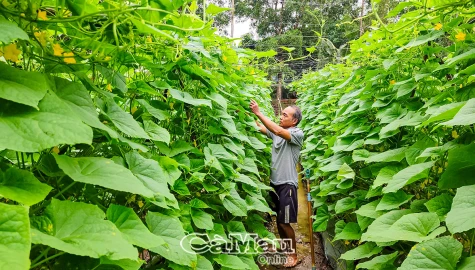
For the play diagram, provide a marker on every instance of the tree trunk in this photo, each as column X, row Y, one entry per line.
column 232, row 18
column 361, row 18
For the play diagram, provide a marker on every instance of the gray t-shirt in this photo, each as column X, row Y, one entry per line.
column 285, row 156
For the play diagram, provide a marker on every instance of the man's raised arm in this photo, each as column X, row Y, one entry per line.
column 268, row 124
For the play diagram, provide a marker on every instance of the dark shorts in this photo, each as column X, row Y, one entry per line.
column 285, row 202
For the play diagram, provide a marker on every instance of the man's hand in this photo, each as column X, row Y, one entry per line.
column 254, row 107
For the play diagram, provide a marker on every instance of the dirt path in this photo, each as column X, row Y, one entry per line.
column 302, row 235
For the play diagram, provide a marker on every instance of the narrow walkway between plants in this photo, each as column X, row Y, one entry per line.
column 302, row 235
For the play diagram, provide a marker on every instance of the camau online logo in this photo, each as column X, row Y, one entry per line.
column 236, row 243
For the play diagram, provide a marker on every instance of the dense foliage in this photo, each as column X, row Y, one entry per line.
column 123, row 128
column 390, row 140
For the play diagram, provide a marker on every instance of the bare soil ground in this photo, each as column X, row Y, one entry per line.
column 302, row 234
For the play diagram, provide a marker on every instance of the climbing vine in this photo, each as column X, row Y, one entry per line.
column 390, row 140
column 123, row 128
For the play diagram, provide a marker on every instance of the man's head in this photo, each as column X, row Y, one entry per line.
column 290, row 117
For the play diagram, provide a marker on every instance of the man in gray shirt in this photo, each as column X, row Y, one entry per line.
column 287, row 140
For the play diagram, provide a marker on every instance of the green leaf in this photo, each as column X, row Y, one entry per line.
column 14, row 237
column 197, row 203
column 369, row 210
column 461, row 168
column 378, row 262
column 245, row 179
column 388, row 156
column 416, row 227
column 22, row 186
column 364, row 251
column 78, row 99
column 361, row 155
column 102, row 172
column 26, row 129
column 364, row 222
column 416, row 149
column 124, row 121
column 81, row 7
column 153, row 176
column 453, row 61
column 156, row 132
column 212, row 9
column 170, row 168
column 444, row 112
column 344, row 205
column 219, row 99
column 171, row 230
column 440, row 253
column 440, row 205
column 254, row 203
column 403, row 225
column 176, row 148
column 408, row 175
column 187, row 98
column 256, row 144
column 79, row 228
column 393, row 200
column 385, row 175
column 235, row 204
column 142, row 27
column 124, row 264
column 467, row 263
column 321, row 221
column 10, row 31
column 230, row 261
column 115, row 78
column 465, row 116
column 422, row 40
column 345, row 172
column 379, row 230
column 201, row 219
column 249, row 165
column 203, row 264
column 132, row 228
column 157, row 113
column 461, row 216
column 21, row 86
column 351, row 231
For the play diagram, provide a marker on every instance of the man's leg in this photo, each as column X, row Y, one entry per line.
column 288, row 206
column 289, row 233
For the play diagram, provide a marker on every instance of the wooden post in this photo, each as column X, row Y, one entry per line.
column 204, row 10
column 361, row 18
column 279, row 91
column 232, row 18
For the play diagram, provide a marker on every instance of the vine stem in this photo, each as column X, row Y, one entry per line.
column 471, row 243
column 41, row 255
column 64, row 190
column 47, row 259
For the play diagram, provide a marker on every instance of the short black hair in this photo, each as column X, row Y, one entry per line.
column 297, row 113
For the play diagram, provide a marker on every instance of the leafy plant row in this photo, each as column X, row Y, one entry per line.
column 390, row 140
column 123, row 128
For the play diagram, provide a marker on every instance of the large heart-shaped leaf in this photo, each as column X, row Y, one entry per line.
column 14, row 237
column 408, row 175
column 26, row 129
column 132, row 228
column 79, row 228
column 22, row 186
column 102, row 172
column 364, row 251
column 440, row 253
column 461, row 168
column 177, row 249
column 21, row 86
column 461, row 216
